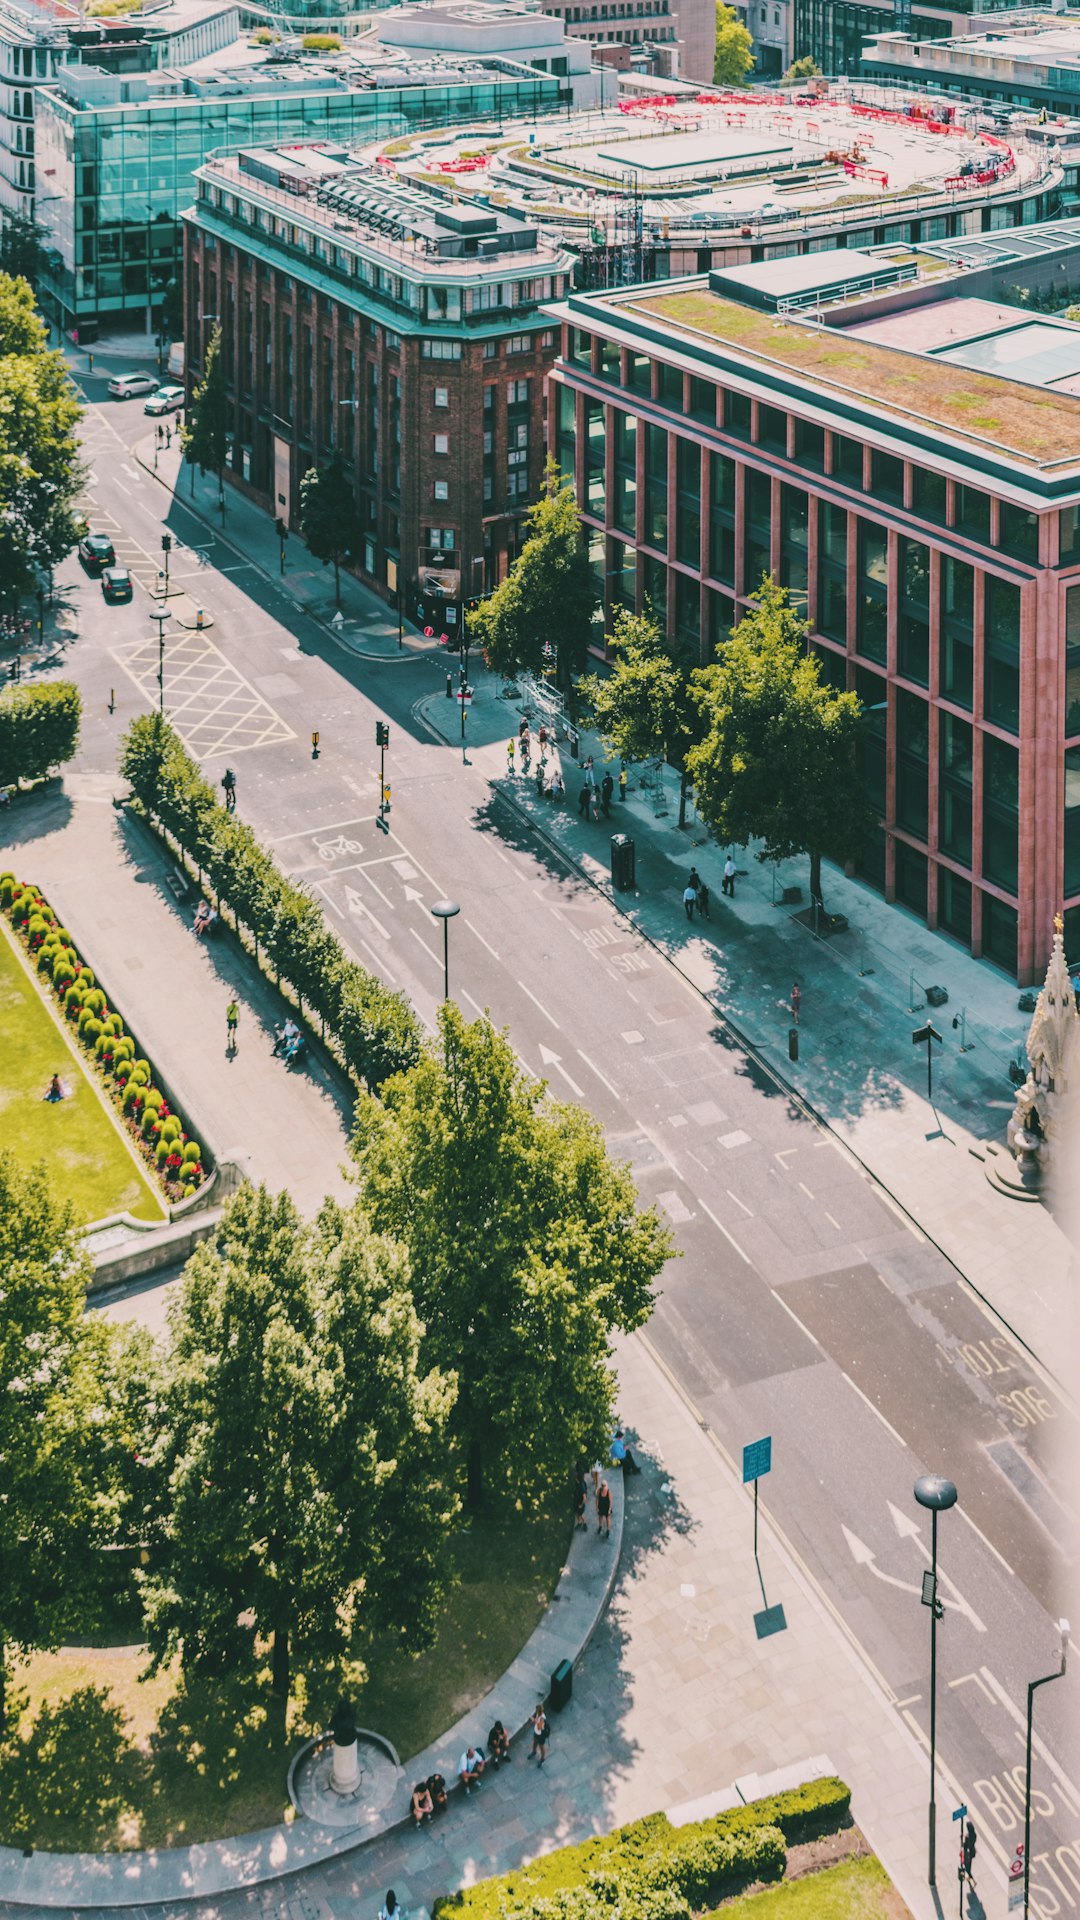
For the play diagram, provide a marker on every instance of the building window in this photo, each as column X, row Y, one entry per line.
column 688, row 502
column 737, row 415
column 565, row 429
column 832, row 572
column 1072, row 820
column 911, row 878
column 669, row 382
column 1000, row 812
column 1018, row 531
column 929, row 494
column 517, row 393
column 703, row 400
column 847, row 460
column 954, row 905
column 519, row 342
column 722, row 518
column 1001, row 674
column 794, row 537
column 639, row 373
column 687, row 609
column 656, row 526
column 757, row 541
column 440, row 490
column 913, row 624
column 810, row 445
column 912, row 763
column 439, row 349
column 595, row 449
column 873, row 692
column 440, row 442
column 1072, row 661
column 873, row 612
column 624, row 506
column 973, row 514
column 954, row 797
column 609, row 361
column 888, row 477
column 999, row 940
column 442, row 397
column 772, row 429
column 957, row 661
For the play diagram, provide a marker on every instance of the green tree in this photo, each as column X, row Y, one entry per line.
column 41, row 474
column 21, row 248
column 645, row 706
column 780, row 759
column 527, row 1245
column 734, row 55
column 805, row 68
column 549, row 595
column 329, row 521
column 300, row 1461
column 39, row 729
column 56, row 1508
column 205, row 434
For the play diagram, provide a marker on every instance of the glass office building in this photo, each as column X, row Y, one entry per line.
column 117, row 156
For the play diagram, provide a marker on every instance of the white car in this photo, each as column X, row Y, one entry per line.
column 125, row 386
column 165, row 400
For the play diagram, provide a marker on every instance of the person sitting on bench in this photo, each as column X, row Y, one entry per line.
column 420, row 1805
column 436, row 1786
column 285, row 1035
column 498, row 1744
column 471, row 1768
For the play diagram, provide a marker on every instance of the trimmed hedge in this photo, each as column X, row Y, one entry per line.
column 658, row 1871
column 374, row 1030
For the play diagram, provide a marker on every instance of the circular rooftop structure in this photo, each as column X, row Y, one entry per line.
column 702, row 168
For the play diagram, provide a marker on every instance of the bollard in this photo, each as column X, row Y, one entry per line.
column 793, row 1043
column 198, row 621
column 449, row 686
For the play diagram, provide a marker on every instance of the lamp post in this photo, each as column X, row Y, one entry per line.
column 161, row 614
column 937, row 1494
column 445, row 910
column 1064, row 1630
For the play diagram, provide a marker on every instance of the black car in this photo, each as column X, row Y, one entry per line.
column 116, row 583
column 96, row 551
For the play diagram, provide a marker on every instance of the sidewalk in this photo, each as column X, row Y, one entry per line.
column 106, row 876
column 857, row 1067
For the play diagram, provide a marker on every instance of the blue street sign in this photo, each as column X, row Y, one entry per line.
column 959, row 1813
column 757, row 1459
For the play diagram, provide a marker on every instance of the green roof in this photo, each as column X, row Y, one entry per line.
column 1034, row 423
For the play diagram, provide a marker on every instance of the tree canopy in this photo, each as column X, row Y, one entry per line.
column 39, row 729
column 205, row 433
column 300, row 1460
column 645, row 706
column 41, row 474
column 528, row 1249
column 734, row 55
column 329, row 521
column 805, row 68
column 780, row 756
column 549, row 597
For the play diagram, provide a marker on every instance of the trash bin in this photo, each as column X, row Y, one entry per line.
column 623, row 861
column 562, row 1686
column 571, row 735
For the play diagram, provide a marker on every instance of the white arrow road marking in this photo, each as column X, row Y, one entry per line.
column 360, row 907
column 416, row 898
column 552, row 1060
column 864, row 1556
column 908, row 1529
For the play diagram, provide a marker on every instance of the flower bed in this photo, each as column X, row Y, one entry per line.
column 158, row 1131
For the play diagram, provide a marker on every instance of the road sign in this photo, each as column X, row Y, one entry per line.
column 959, row 1813
column 922, row 1034
column 757, row 1459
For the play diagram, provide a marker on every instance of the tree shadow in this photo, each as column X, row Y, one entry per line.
column 74, row 1777
column 33, row 815
column 220, row 1756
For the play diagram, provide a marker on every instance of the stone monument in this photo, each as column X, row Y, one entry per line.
column 1035, row 1128
column 346, row 1772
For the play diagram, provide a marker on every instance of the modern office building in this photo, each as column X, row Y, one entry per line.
column 834, row 31
column 117, row 154
column 481, row 29
column 677, row 36
column 1032, row 61
column 677, row 182
column 395, row 324
column 903, row 452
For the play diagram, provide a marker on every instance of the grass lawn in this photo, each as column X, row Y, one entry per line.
column 86, row 1153
column 115, row 1762
column 855, row 1890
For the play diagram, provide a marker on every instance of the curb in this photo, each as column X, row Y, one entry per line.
column 77, row 1881
column 761, row 1060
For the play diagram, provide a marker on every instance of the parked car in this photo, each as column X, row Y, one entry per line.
column 116, row 583
column 165, row 400
column 125, row 386
column 96, row 551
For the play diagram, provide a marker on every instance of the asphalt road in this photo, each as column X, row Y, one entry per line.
column 804, row 1305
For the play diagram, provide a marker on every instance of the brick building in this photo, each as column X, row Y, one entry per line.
column 904, row 455
column 388, row 321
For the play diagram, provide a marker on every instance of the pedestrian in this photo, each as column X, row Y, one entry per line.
column 689, row 899
column 539, row 779
column 168, row 436
column 228, row 781
column 594, row 805
column 728, row 885
column 510, row 756
column 796, row 1002
column 580, row 1522
column 607, row 788
column 583, row 802
column 590, row 776
column 541, row 1733
column 232, row 1020
column 542, row 737
column 603, row 1509
column 597, row 1476
column 524, row 728
column 703, row 900
column 971, row 1841
column 525, row 743
column 390, row 1909
column 622, row 783
column 621, row 1454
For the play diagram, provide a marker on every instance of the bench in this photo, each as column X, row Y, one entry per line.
column 178, row 883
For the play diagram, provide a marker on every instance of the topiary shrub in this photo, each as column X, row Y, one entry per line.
column 113, row 1023
column 149, row 1121
column 170, row 1128
column 91, row 1033
column 122, row 1070
column 192, row 1152
column 86, row 975
column 36, row 928
column 133, row 1094
column 7, row 891
column 73, row 998
column 143, row 1067
column 161, row 1152
column 63, row 972
column 154, row 1097
column 96, row 1000
column 47, row 957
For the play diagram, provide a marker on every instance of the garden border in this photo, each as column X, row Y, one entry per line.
column 67, row 1881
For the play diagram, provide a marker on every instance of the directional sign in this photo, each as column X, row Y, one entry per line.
column 922, row 1034
column 757, row 1459
column 959, row 1813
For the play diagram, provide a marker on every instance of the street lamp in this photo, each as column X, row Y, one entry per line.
column 1064, row 1630
column 937, row 1494
column 161, row 614
column 445, row 910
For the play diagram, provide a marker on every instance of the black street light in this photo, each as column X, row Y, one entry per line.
column 161, row 614
column 937, row 1494
column 445, row 910
column 1064, row 1630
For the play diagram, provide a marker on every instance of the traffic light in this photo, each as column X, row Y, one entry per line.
column 382, row 733
column 166, row 543
column 314, row 746
column 472, row 606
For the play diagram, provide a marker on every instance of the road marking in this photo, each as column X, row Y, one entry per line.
column 914, row 1698
column 727, row 1236
column 123, row 489
column 805, row 1189
column 387, row 902
column 790, row 1311
column 832, row 1222
column 356, row 905
column 382, row 964
column 427, row 949
column 909, row 1529
column 328, row 826
column 877, row 1410
column 600, row 1076
column 479, row 1011
column 480, row 937
column 899, row 1212
column 784, row 1156
column 1039, row 1744
column 965, row 1515
column 739, row 1203
column 865, row 1556
column 552, row 1060
column 538, row 1003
